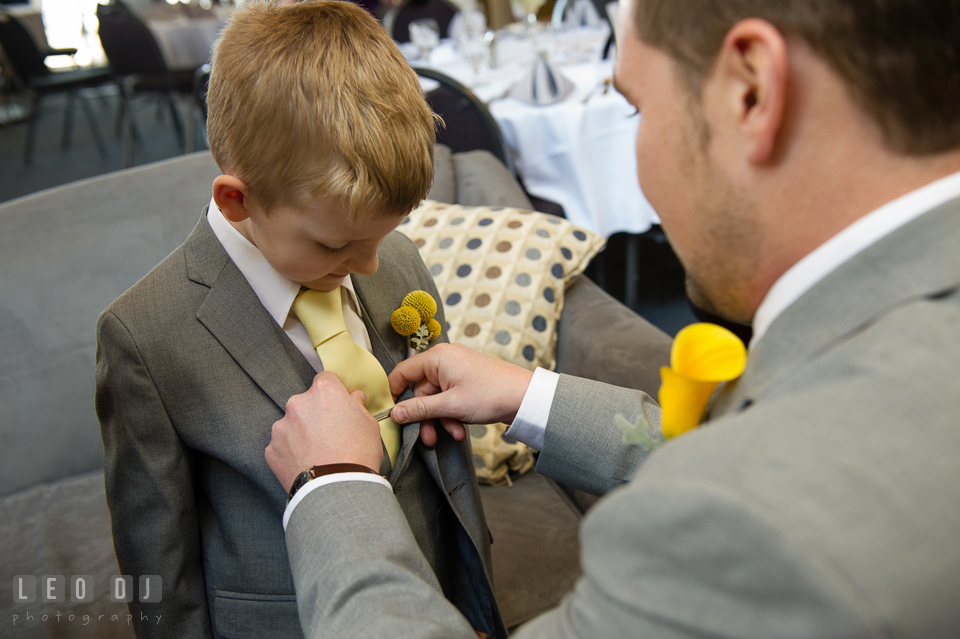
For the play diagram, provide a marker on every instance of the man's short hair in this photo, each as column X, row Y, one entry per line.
column 314, row 99
column 900, row 59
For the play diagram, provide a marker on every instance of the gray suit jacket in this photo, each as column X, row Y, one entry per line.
column 821, row 500
column 192, row 372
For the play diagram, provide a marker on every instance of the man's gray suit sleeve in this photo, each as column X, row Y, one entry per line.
column 358, row 571
column 149, row 488
column 664, row 560
column 582, row 446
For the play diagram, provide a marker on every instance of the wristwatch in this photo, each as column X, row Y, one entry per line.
column 326, row 469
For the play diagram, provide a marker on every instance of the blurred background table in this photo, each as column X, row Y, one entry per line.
column 578, row 152
column 186, row 33
column 186, row 43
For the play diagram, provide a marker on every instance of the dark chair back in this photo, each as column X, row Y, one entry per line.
column 440, row 10
column 201, row 83
column 128, row 43
column 468, row 124
column 21, row 49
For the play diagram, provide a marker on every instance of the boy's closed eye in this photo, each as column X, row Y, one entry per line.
column 331, row 250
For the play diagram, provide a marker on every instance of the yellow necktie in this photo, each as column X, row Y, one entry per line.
column 322, row 315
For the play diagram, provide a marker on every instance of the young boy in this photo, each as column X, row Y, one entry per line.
column 325, row 143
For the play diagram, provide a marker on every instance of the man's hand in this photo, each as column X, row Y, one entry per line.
column 325, row 425
column 457, row 385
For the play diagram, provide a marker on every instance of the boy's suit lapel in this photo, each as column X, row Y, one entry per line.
column 232, row 312
column 389, row 348
column 378, row 298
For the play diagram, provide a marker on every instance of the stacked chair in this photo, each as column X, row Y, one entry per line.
column 139, row 69
column 26, row 60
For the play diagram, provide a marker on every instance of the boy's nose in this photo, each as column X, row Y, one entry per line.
column 364, row 263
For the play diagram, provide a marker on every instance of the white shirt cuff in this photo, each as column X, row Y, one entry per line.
column 531, row 421
column 313, row 484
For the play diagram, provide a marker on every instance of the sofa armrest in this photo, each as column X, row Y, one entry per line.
column 601, row 339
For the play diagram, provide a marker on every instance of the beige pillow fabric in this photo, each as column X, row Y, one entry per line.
column 501, row 273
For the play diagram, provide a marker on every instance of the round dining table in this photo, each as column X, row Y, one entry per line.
column 578, row 151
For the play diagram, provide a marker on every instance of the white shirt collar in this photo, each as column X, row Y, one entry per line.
column 866, row 231
column 275, row 291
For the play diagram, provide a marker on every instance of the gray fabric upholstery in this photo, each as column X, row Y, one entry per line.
column 536, row 547
column 483, row 181
column 475, row 178
column 444, row 187
column 65, row 254
column 609, row 356
column 62, row 528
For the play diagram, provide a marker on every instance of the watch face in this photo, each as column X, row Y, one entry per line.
column 298, row 483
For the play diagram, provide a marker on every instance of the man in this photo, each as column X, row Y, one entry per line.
column 804, row 156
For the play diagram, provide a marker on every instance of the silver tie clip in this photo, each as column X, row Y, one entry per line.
column 382, row 415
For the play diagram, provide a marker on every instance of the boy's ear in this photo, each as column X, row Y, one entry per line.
column 230, row 194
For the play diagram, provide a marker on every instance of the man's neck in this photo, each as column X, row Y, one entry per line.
column 850, row 241
column 831, row 199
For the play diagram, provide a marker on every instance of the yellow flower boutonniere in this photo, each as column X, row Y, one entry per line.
column 415, row 320
column 702, row 356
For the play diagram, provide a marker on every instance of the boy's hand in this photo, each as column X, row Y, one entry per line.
column 325, row 425
column 457, row 385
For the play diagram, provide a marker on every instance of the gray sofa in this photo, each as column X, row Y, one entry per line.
column 67, row 252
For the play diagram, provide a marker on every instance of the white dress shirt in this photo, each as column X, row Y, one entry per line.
column 531, row 421
column 276, row 292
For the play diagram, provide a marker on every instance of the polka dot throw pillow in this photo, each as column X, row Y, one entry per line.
column 501, row 273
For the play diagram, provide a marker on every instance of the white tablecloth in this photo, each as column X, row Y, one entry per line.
column 186, row 43
column 578, row 155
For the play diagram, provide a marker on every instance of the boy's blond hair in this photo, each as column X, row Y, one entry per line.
column 314, row 99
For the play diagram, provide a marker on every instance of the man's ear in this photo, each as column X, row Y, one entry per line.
column 230, row 194
column 753, row 68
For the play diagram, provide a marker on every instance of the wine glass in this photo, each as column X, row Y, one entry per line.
column 471, row 42
column 425, row 35
column 526, row 11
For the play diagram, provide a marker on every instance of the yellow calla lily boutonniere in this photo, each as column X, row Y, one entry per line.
column 702, row 356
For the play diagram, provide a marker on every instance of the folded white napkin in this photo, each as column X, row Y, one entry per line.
column 612, row 8
column 582, row 14
column 542, row 84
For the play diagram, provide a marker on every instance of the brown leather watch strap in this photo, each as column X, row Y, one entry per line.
column 325, row 469
column 330, row 469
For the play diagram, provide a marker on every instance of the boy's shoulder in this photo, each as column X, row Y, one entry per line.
column 170, row 291
column 399, row 250
column 400, row 264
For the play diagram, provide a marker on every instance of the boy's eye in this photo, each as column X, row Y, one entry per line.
column 331, row 250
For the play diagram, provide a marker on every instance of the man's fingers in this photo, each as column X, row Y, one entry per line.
column 428, row 430
column 424, row 387
column 455, row 427
column 327, row 377
column 418, row 409
column 359, row 397
column 410, row 370
column 428, row 433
